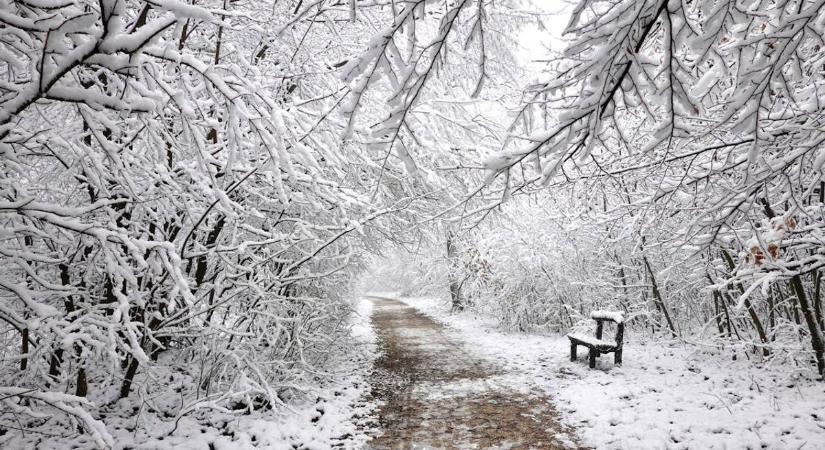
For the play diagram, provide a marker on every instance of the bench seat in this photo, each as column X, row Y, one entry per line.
column 590, row 341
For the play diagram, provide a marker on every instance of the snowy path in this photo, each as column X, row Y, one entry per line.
column 437, row 395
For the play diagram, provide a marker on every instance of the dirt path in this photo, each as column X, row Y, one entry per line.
column 436, row 395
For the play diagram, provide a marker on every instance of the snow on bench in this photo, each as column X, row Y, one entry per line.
column 597, row 345
column 615, row 316
column 591, row 341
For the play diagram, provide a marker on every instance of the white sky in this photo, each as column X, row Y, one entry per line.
column 537, row 42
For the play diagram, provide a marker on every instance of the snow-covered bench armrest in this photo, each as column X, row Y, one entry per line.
column 615, row 316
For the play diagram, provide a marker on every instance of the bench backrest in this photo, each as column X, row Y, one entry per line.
column 619, row 329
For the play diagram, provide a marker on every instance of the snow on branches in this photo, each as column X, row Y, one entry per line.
column 173, row 198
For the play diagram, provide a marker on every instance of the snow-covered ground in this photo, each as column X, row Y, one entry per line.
column 336, row 419
column 674, row 397
column 337, row 416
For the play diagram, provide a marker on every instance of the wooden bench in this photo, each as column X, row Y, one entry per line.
column 597, row 345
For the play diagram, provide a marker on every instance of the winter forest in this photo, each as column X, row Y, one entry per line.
column 389, row 224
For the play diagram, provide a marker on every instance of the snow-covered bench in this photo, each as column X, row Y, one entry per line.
column 597, row 345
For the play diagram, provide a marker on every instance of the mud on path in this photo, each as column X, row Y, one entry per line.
column 435, row 395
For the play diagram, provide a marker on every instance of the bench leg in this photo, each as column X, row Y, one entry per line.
column 593, row 354
column 572, row 351
column 617, row 357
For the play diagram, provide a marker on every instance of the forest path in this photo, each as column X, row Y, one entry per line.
column 436, row 395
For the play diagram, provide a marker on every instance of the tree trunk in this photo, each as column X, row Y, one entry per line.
column 24, row 348
column 55, row 363
column 817, row 300
column 816, row 336
column 717, row 315
column 760, row 330
column 657, row 297
column 81, row 385
column 455, row 286
column 130, row 375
